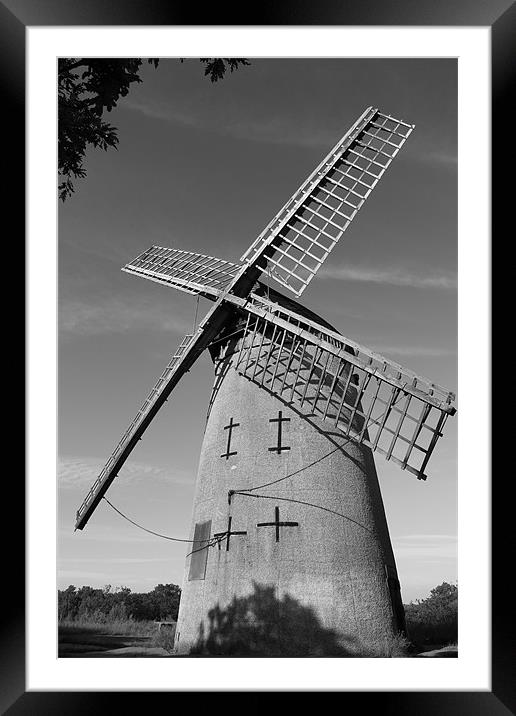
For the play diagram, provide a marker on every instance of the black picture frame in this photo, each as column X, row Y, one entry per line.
column 15, row 17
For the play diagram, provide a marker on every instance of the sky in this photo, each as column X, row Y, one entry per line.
column 203, row 167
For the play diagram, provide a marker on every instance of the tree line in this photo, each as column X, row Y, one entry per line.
column 108, row 604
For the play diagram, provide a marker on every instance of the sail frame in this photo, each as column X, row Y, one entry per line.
column 184, row 270
column 357, row 390
column 303, row 233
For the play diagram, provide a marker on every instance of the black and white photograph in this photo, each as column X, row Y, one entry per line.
column 257, row 357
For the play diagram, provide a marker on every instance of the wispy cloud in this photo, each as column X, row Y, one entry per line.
column 82, row 318
column 294, row 128
column 428, row 548
column 425, row 538
column 113, row 560
column 116, row 534
column 447, row 160
column 81, row 472
column 224, row 120
column 392, row 277
column 278, row 130
column 163, row 111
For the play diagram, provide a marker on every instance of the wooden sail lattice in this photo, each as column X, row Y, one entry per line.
column 369, row 398
column 184, row 270
column 300, row 237
column 132, row 434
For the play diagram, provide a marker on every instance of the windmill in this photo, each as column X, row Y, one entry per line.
column 288, row 513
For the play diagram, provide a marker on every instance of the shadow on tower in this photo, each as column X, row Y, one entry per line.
column 260, row 624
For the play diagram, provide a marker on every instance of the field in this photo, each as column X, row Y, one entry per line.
column 126, row 638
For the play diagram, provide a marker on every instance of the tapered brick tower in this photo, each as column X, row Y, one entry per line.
column 305, row 560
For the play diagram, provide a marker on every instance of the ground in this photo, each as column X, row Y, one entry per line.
column 86, row 642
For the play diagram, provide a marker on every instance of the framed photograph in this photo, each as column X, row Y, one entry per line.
column 201, row 168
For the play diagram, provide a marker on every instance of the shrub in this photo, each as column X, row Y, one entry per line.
column 434, row 620
column 118, row 612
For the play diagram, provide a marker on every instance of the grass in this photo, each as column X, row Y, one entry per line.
column 389, row 648
column 123, row 627
column 423, row 634
column 90, row 635
column 165, row 638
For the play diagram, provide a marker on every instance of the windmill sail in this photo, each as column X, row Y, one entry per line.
column 187, row 353
column 371, row 399
column 184, row 270
column 303, row 233
column 131, row 436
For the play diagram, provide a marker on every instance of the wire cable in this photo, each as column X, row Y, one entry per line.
column 296, row 472
column 211, row 543
column 157, row 534
column 292, row 474
column 309, row 504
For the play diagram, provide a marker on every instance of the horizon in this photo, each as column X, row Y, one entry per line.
column 114, row 589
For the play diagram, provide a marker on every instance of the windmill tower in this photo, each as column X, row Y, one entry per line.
column 290, row 550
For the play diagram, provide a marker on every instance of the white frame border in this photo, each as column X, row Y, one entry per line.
column 471, row 671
